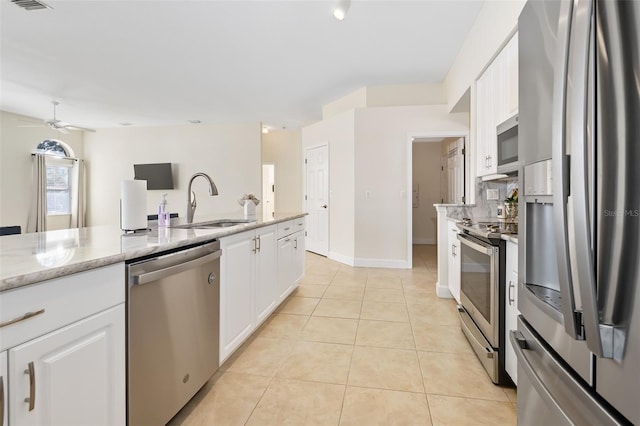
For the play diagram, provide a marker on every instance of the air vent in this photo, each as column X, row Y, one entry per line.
column 31, row 4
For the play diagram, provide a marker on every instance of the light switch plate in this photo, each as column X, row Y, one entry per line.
column 493, row 194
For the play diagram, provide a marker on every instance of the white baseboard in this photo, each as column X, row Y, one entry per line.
column 341, row 258
column 430, row 241
column 442, row 291
column 382, row 263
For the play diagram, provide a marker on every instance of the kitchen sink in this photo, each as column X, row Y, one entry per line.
column 220, row 223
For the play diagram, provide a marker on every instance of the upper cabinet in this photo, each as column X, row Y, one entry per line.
column 496, row 100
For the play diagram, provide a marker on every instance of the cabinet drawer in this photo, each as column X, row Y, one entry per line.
column 298, row 224
column 286, row 228
column 64, row 300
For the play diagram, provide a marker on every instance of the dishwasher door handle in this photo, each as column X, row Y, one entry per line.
column 148, row 277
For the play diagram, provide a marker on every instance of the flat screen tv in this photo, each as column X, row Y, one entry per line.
column 158, row 175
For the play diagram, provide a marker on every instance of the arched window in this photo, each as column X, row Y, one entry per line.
column 59, row 180
column 54, row 147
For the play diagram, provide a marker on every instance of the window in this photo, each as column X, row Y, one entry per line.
column 59, row 166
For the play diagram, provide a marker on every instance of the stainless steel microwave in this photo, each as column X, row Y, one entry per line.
column 508, row 145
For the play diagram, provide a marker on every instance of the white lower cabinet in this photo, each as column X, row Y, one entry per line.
column 291, row 251
column 258, row 270
column 72, row 376
column 266, row 273
column 453, row 264
column 63, row 350
column 511, row 309
column 4, row 388
column 248, row 285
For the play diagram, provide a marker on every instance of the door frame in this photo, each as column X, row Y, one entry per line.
column 304, row 187
column 409, row 206
column 264, row 201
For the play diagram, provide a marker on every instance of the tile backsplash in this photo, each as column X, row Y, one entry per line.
column 484, row 209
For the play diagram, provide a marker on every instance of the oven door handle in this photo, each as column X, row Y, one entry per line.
column 477, row 247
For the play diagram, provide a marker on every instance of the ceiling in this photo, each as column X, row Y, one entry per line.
column 152, row 62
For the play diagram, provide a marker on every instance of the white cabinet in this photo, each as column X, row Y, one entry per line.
column 258, row 270
column 496, row 100
column 4, row 388
column 511, row 308
column 291, row 251
column 74, row 375
column 266, row 273
column 63, row 342
column 453, row 263
column 248, row 285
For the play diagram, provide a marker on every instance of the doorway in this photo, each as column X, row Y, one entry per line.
column 268, row 190
column 437, row 165
column 316, row 196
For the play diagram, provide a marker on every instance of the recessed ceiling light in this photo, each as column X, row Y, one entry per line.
column 125, row 124
column 265, row 130
column 340, row 11
column 195, row 121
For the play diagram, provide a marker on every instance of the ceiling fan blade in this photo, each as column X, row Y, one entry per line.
column 72, row 127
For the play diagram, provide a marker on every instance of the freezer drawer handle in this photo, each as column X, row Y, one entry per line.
column 22, row 318
column 31, row 371
column 175, row 269
column 519, row 344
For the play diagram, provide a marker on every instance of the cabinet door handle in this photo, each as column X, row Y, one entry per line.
column 22, row 318
column 1, row 400
column 31, row 371
column 296, row 244
column 255, row 245
column 259, row 244
column 511, row 300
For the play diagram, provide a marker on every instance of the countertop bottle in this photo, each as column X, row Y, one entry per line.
column 163, row 214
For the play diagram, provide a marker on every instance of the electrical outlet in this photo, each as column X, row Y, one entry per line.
column 493, row 194
column 367, row 194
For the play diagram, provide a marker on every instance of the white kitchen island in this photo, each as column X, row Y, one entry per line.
column 62, row 316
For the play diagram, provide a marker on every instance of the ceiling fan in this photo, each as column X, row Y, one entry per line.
column 62, row 126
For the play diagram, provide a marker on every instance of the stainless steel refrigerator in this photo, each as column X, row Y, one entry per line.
column 578, row 337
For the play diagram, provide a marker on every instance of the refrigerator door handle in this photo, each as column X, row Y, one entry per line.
column 560, row 166
column 581, row 239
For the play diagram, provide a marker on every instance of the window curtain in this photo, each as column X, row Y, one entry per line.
column 37, row 221
column 78, row 196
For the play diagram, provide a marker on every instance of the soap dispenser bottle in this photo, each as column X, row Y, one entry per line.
column 163, row 214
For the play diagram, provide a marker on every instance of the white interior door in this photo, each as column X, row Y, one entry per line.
column 317, row 199
column 268, row 190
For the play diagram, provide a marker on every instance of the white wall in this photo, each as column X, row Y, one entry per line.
column 16, row 145
column 338, row 132
column 355, row 99
column 283, row 148
column 495, row 23
column 388, row 95
column 427, row 175
column 405, row 95
column 382, row 137
column 229, row 153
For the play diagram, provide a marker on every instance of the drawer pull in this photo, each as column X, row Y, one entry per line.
column 31, row 371
column 286, row 229
column 22, row 318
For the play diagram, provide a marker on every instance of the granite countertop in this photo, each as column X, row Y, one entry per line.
column 30, row 258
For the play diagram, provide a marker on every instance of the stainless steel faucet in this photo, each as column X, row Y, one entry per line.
column 191, row 203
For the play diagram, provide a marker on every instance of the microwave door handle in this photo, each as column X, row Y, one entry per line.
column 560, row 168
column 581, row 244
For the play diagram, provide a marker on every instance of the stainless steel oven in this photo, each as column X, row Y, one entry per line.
column 482, row 294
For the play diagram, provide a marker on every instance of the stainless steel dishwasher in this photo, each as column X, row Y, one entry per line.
column 173, row 330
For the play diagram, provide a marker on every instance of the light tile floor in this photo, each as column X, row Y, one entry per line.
column 356, row 346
